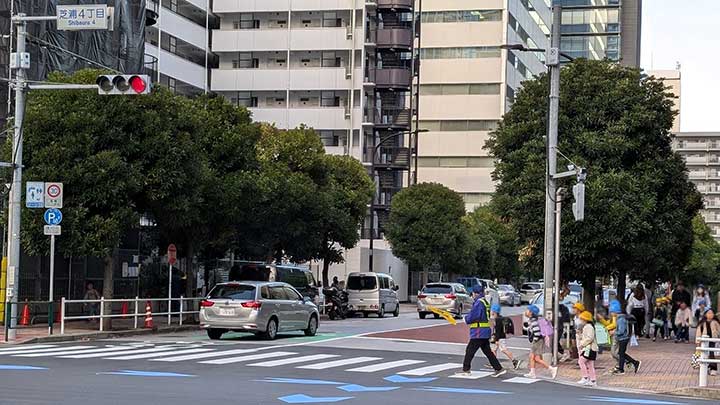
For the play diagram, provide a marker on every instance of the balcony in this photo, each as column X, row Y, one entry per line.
column 318, row 117
column 281, row 79
column 388, row 118
column 391, row 157
column 393, row 78
column 307, row 39
column 394, row 38
column 249, row 6
column 395, row 4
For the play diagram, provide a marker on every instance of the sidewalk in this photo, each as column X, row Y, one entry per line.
column 665, row 368
column 81, row 330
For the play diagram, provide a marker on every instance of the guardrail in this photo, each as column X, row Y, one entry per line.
column 704, row 360
column 22, row 320
column 138, row 309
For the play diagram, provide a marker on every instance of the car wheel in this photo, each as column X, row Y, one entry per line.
column 436, row 316
column 331, row 315
column 271, row 330
column 381, row 312
column 312, row 326
column 215, row 334
column 422, row 315
column 365, row 314
column 459, row 313
column 397, row 310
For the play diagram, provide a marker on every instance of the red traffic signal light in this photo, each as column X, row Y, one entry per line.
column 123, row 84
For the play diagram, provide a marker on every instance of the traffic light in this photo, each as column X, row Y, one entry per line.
column 578, row 206
column 123, row 84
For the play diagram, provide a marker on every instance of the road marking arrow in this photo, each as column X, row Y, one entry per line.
column 17, row 367
column 620, row 400
column 306, row 399
column 299, row 381
column 135, row 373
column 400, row 379
column 362, row 388
column 460, row 390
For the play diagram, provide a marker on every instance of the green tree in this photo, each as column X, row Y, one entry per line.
column 346, row 195
column 498, row 253
column 427, row 230
column 639, row 202
column 704, row 259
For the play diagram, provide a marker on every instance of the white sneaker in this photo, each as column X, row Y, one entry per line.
column 530, row 375
column 583, row 381
column 565, row 357
column 553, row 372
column 590, row 383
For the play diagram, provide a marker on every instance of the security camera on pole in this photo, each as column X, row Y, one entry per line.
column 70, row 18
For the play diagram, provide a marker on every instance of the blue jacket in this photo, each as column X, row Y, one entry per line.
column 479, row 320
column 621, row 332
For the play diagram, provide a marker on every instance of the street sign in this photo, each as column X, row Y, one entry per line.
column 35, row 194
column 52, row 230
column 82, row 17
column 172, row 254
column 53, row 195
column 53, row 216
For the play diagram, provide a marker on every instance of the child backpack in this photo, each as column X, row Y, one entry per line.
column 546, row 328
column 508, row 326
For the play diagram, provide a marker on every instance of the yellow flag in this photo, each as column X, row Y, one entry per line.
column 445, row 314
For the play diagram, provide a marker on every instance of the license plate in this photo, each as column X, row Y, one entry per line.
column 437, row 300
column 226, row 311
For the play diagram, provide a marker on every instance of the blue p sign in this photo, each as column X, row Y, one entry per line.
column 53, row 216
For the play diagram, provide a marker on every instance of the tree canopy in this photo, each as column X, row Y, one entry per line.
column 639, row 203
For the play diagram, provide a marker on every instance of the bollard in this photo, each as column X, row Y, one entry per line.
column 181, row 309
column 136, row 311
column 704, row 344
column 62, row 315
column 102, row 309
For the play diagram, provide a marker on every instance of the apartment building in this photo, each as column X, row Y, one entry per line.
column 183, row 60
column 600, row 29
column 701, row 151
column 672, row 79
column 343, row 67
column 467, row 83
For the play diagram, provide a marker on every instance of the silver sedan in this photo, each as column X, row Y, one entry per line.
column 508, row 295
column 259, row 307
column 451, row 297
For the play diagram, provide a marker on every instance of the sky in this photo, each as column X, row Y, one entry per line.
column 686, row 32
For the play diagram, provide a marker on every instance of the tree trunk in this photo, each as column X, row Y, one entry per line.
column 325, row 271
column 589, row 295
column 621, row 287
column 107, row 290
column 189, row 282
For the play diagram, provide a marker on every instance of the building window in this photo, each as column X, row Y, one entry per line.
column 460, row 53
column 329, row 99
column 331, row 137
column 459, row 125
column 246, row 21
column 456, row 161
column 245, row 99
column 596, row 20
column 172, row 48
column 331, row 59
column 245, row 60
column 459, row 89
column 174, row 5
column 461, row 16
column 330, row 19
column 172, row 84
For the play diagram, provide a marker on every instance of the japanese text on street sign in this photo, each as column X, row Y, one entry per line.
column 35, row 194
column 53, row 195
column 52, row 230
column 82, row 17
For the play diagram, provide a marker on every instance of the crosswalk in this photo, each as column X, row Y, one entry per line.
column 261, row 357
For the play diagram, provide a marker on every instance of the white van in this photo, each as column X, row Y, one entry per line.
column 372, row 293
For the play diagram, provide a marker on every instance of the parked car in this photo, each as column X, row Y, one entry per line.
column 372, row 293
column 539, row 301
column 299, row 277
column 610, row 294
column 259, row 307
column 508, row 295
column 451, row 297
column 528, row 291
column 490, row 293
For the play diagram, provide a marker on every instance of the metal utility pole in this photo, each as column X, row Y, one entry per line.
column 15, row 191
column 556, row 296
column 553, row 63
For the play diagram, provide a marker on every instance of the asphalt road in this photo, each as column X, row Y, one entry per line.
column 187, row 368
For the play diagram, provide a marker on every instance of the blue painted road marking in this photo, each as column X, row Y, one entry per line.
column 460, row 390
column 306, row 399
column 400, row 379
column 135, row 373
column 362, row 388
column 299, row 381
column 16, row 367
column 620, row 400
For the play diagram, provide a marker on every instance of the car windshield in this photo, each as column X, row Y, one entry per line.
column 437, row 289
column 576, row 288
column 539, row 300
column 505, row 287
column 362, row 283
column 233, row 292
column 531, row 286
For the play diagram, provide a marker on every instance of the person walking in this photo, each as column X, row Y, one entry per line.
column 588, row 349
column 480, row 332
column 709, row 326
column 502, row 327
column 622, row 335
column 650, row 307
column 637, row 307
column 538, row 343
column 610, row 324
column 576, row 326
column 682, row 323
column 680, row 294
column 91, row 308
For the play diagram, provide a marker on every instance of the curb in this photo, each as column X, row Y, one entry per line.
column 109, row 334
column 696, row 392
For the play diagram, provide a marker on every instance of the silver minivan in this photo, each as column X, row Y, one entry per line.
column 259, row 307
column 372, row 293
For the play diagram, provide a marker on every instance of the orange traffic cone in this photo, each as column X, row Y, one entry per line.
column 25, row 317
column 57, row 317
column 148, row 315
column 124, row 310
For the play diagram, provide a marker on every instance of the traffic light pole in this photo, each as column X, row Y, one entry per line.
column 552, row 138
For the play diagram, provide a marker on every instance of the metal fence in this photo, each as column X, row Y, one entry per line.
column 41, row 310
column 98, row 309
column 704, row 359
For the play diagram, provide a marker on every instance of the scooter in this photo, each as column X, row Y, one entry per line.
column 336, row 303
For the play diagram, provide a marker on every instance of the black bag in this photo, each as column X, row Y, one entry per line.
column 508, row 326
column 589, row 354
